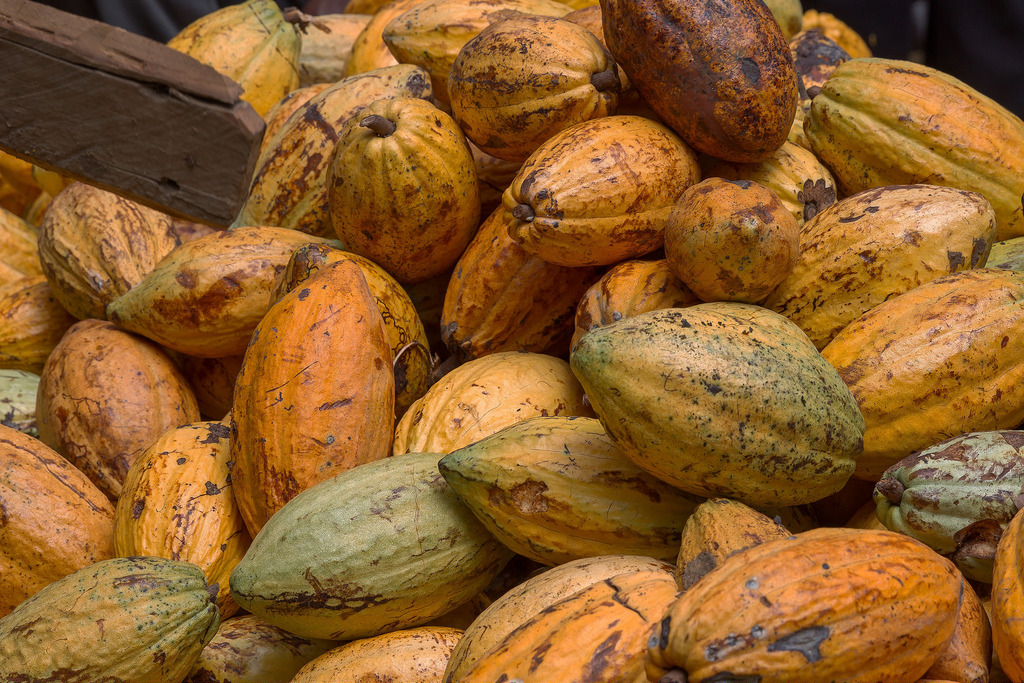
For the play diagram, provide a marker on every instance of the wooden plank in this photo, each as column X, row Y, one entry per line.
column 125, row 113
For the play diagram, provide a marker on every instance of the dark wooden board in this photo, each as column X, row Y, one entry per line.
column 124, row 112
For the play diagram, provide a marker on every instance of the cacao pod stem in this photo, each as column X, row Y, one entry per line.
column 381, row 126
column 605, row 80
column 523, row 212
column 892, row 489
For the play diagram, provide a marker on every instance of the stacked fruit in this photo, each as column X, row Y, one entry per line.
column 554, row 341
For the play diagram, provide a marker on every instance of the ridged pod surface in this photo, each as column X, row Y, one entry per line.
column 523, row 79
column 53, row 520
column 381, row 547
column 325, row 53
column 613, row 618
column 123, row 620
column 247, row 649
column 599, row 192
column 827, row 604
column 627, row 289
column 968, row 656
column 176, row 503
column 431, row 34
column 944, row 359
column 95, row 246
column 283, row 110
column 786, row 172
column 717, row 529
column 406, row 334
column 105, row 395
column 502, row 298
column 934, row 494
column 289, row 186
column 19, row 246
column 531, row 597
column 1008, row 600
column 414, row 654
column 207, row 296
column 315, row 395
column 32, row 322
column 556, row 489
column 486, row 395
column 252, row 44
column 889, row 122
column 723, row 399
column 18, row 390
column 878, row 244
column 388, row 153
column 683, row 59
column 369, row 51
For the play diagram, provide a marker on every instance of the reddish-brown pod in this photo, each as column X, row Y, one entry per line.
column 718, row 72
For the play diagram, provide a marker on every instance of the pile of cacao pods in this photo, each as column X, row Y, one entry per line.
column 613, row 342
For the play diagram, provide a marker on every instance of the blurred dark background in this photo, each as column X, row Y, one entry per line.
column 981, row 43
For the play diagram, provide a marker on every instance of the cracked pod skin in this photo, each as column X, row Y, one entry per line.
column 681, row 57
column 831, row 604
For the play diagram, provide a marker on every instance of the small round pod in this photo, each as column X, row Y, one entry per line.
column 524, row 79
column 731, row 240
column 403, row 189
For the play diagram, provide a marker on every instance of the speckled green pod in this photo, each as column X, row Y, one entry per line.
column 723, row 399
column 556, row 489
column 1007, row 255
column 383, row 546
column 125, row 620
column 936, row 493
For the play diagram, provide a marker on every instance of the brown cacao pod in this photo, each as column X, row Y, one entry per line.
column 523, row 79
column 32, row 323
column 53, row 520
column 247, row 649
column 390, row 151
column 176, row 502
column 877, row 244
column 795, row 609
column 95, row 246
column 289, row 186
column 1008, row 600
column 599, row 192
column 431, row 34
column 682, row 59
column 838, row 30
column 315, row 395
column 968, row 656
column 883, row 122
column 614, row 617
column 414, row 654
column 105, row 395
column 207, row 296
column 944, row 359
column 718, row 528
column 502, row 298
column 485, row 395
column 628, row 289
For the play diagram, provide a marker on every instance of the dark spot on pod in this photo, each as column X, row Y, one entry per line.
column 182, row 461
column 186, row 279
column 303, row 293
column 892, row 489
column 742, row 184
column 666, row 625
column 806, row 641
column 217, row 431
column 750, row 69
column 137, row 508
column 212, row 591
column 978, row 250
column 956, row 260
column 212, row 489
column 674, row 676
column 730, row 677
column 523, row 212
column 696, row 569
